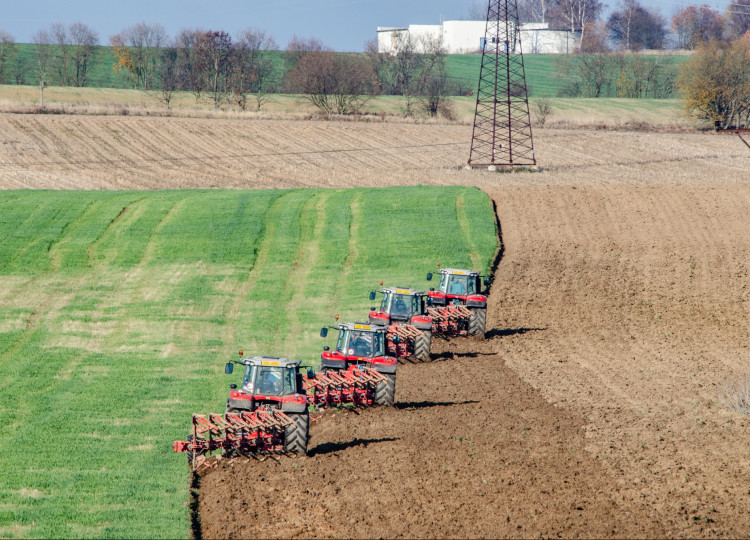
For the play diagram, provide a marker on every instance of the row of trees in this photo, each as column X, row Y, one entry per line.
column 245, row 69
column 632, row 26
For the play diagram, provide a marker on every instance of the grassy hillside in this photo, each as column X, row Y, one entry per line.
column 119, row 309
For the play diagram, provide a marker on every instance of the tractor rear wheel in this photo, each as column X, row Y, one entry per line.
column 385, row 392
column 296, row 434
column 478, row 321
column 422, row 345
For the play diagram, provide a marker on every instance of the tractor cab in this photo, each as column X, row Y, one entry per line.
column 401, row 305
column 267, row 382
column 460, row 287
column 358, row 344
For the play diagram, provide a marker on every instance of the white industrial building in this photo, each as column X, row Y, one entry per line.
column 462, row 37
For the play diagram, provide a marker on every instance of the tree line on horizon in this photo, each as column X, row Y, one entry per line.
column 245, row 70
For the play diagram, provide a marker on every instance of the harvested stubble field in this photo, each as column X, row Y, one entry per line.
column 619, row 316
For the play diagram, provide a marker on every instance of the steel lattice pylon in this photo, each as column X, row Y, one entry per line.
column 502, row 124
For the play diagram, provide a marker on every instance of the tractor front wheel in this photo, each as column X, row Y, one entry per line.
column 296, row 434
column 385, row 392
column 422, row 345
column 478, row 322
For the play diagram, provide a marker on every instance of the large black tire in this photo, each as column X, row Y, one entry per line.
column 385, row 392
column 297, row 434
column 422, row 345
column 478, row 321
column 189, row 452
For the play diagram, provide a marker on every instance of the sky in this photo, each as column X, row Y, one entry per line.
column 344, row 25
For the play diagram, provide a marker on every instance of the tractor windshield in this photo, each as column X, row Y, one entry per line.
column 269, row 381
column 361, row 343
column 456, row 284
column 399, row 306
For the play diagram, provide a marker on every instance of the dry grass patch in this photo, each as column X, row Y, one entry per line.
column 737, row 395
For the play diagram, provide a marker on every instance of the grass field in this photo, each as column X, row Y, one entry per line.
column 119, row 309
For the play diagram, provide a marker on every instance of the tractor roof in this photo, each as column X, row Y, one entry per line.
column 269, row 361
column 366, row 327
column 402, row 290
column 460, row 272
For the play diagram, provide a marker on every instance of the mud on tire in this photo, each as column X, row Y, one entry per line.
column 477, row 322
column 296, row 435
column 422, row 345
column 385, row 392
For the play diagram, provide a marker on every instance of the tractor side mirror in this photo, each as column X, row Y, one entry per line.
column 372, row 295
column 310, row 373
column 229, row 368
column 323, row 332
column 486, row 281
column 233, row 386
column 429, row 276
column 326, row 348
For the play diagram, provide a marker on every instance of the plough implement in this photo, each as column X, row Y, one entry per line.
column 356, row 386
column 267, row 415
column 244, row 433
column 450, row 320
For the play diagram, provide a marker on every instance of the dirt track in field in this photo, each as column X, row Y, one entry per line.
column 618, row 314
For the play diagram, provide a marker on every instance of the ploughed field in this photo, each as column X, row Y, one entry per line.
column 618, row 316
column 593, row 408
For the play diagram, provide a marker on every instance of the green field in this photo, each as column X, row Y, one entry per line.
column 118, row 311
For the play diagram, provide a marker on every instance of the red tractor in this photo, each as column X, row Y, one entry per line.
column 267, row 414
column 359, row 370
column 462, row 289
column 404, row 312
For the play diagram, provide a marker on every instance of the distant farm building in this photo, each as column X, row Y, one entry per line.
column 461, row 37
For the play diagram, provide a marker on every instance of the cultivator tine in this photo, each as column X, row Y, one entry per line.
column 404, row 331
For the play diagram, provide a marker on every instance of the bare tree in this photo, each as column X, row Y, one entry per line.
column 634, row 27
column 43, row 54
column 252, row 67
column 574, row 14
column 535, row 10
column 333, row 83
column 84, row 41
column 136, row 50
column 61, row 38
column 695, row 25
column 185, row 45
column 433, row 88
column 7, row 48
column 167, row 74
column 213, row 51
